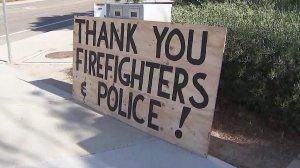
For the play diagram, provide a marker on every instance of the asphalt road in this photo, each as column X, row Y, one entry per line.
column 33, row 17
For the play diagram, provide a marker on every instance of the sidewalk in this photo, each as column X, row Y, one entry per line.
column 33, row 49
column 41, row 126
column 29, row 56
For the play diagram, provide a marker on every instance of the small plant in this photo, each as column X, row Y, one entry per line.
column 137, row 1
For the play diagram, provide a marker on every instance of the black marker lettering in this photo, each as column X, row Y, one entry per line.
column 159, row 38
column 78, row 61
column 130, row 105
column 152, row 114
column 130, row 41
column 182, row 45
column 103, row 35
column 115, row 100
column 136, row 99
column 100, row 94
column 151, row 65
column 139, row 76
column 85, row 60
column 201, row 90
column 107, row 66
column 178, row 86
column 99, row 65
column 83, row 88
column 126, row 76
column 162, row 81
column 116, row 69
column 80, row 22
column 114, row 36
column 92, row 62
column 90, row 32
column 203, row 48
column 120, row 112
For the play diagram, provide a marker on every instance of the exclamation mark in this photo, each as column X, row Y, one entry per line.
column 185, row 112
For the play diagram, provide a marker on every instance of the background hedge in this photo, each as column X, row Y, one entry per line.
column 261, row 61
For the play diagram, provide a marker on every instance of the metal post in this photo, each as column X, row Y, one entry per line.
column 6, row 31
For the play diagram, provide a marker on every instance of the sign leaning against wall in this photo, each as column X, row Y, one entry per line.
column 161, row 78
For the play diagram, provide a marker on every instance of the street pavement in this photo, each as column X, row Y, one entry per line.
column 32, row 17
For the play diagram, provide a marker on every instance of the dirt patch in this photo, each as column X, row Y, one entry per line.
column 244, row 140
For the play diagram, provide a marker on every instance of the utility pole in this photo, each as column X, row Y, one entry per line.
column 6, row 31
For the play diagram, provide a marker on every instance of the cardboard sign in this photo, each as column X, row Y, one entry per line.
column 161, row 78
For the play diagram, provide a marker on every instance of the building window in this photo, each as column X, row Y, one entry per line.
column 134, row 13
column 117, row 13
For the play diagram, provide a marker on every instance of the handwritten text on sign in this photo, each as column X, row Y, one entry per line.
column 159, row 77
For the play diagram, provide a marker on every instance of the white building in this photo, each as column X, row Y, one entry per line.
column 152, row 10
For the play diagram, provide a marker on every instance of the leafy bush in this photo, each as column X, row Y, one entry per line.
column 261, row 67
column 188, row 1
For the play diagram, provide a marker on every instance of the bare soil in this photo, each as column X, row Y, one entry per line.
column 238, row 137
column 244, row 140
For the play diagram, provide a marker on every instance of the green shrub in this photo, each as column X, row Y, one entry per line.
column 261, row 67
column 188, row 1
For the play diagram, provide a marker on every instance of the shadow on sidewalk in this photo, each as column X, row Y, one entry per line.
column 54, row 86
column 113, row 135
column 49, row 23
column 67, row 87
